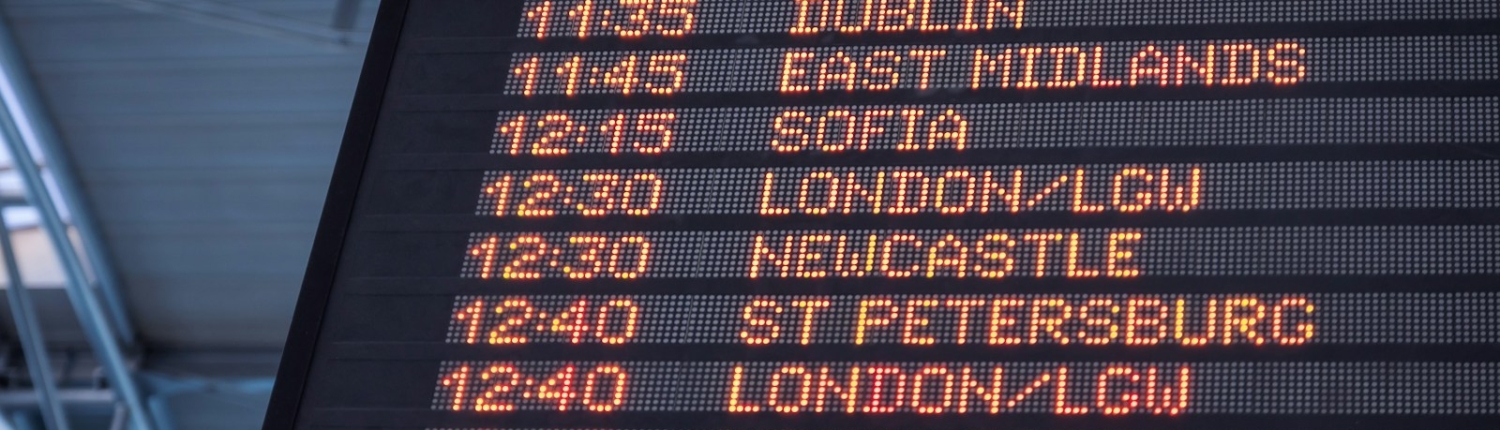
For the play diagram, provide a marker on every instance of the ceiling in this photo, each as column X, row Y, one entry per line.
column 203, row 134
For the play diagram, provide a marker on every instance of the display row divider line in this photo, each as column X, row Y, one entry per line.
column 1418, row 27
column 436, row 351
column 411, row 419
column 1309, row 90
column 1081, row 156
column 1009, row 221
column 427, row 286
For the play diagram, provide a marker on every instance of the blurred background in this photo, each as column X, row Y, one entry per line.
column 165, row 163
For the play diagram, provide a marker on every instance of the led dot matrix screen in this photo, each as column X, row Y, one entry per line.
column 911, row 214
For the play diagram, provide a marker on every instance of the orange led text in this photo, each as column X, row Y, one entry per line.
column 797, row 130
column 885, row 16
column 987, row 255
column 981, row 191
column 1135, row 320
column 1045, row 67
column 955, row 389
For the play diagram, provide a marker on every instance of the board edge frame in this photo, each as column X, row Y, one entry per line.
column 292, row 373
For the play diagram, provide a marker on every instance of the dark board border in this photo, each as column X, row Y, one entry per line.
column 328, row 245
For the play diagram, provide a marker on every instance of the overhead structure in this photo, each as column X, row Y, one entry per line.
column 20, row 131
column 28, row 329
column 159, row 368
column 33, row 131
column 340, row 34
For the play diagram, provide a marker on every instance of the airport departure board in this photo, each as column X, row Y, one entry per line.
column 911, row 214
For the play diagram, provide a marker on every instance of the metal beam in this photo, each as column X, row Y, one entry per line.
column 19, row 399
column 25, row 106
column 251, row 21
column 90, row 311
column 33, row 343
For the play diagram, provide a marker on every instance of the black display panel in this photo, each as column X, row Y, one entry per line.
column 897, row 214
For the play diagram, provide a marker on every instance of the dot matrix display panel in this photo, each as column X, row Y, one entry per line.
column 896, row 214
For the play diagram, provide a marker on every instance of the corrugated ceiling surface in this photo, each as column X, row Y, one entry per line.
column 205, row 153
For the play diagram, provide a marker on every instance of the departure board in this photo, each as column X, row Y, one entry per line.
column 911, row 214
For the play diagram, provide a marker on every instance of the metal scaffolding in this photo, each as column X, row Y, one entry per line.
column 96, row 301
column 33, row 344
